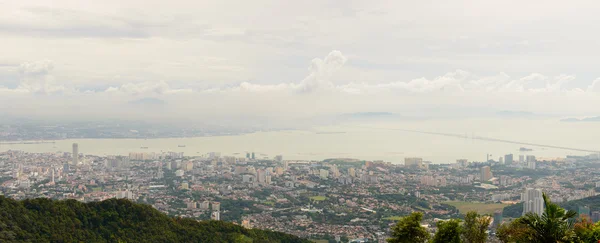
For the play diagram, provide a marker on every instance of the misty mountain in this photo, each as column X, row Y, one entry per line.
column 587, row 119
column 369, row 116
column 508, row 113
column 148, row 101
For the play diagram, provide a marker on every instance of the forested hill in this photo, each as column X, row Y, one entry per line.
column 114, row 220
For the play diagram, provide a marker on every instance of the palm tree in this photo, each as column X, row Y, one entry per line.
column 554, row 225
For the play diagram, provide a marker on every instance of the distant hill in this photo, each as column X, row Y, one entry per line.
column 515, row 211
column 515, row 114
column 587, row 119
column 148, row 101
column 369, row 115
column 115, row 220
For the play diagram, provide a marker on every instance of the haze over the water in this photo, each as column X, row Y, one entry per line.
column 388, row 141
column 299, row 65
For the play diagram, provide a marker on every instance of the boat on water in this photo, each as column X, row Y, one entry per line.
column 181, row 146
column 525, row 149
column 144, row 147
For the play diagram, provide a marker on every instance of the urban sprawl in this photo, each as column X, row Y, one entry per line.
column 336, row 199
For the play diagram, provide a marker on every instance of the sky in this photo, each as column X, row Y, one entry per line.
column 294, row 60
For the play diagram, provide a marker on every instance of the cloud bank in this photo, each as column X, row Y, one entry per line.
column 454, row 93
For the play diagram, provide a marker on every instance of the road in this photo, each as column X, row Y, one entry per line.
column 487, row 139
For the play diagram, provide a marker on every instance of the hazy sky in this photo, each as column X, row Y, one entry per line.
column 297, row 59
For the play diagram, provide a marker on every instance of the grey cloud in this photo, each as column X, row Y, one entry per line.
column 54, row 22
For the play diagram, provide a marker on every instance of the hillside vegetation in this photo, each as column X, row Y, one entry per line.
column 114, row 220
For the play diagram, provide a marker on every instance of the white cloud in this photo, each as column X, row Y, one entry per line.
column 145, row 88
column 595, row 86
column 36, row 77
column 315, row 94
column 321, row 71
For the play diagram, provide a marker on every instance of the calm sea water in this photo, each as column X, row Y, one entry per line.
column 368, row 141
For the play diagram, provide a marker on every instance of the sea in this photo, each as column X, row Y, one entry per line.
column 436, row 140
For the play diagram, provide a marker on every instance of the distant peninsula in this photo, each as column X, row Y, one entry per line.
column 587, row 119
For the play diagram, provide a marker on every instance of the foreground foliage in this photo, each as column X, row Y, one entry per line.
column 409, row 230
column 448, row 232
column 114, row 220
column 556, row 224
column 473, row 230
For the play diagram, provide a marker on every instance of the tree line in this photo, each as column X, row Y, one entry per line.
column 115, row 220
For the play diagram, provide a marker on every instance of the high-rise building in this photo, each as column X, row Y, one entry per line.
column 159, row 173
column 533, row 201
column 414, row 163
column 323, row 173
column 508, row 159
column 125, row 194
column 216, row 206
column 497, row 218
column 246, row 224
column 530, row 158
column 205, row 205
column 584, row 211
column 486, row 173
column 247, row 178
column 216, row 215
column 352, row 172
column 66, row 168
column 531, row 165
column 462, row 162
column 521, row 158
column 189, row 166
column 253, row 157
column 185, row 185
column 279, row 171
column 595, row 216
column 261, row 176
column 335, row 171
column 75, row 154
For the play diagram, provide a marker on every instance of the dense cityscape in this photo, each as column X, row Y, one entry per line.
column 336, row 199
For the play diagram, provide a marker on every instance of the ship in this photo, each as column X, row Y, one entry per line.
column 525, row 149
column 181, row 146
column 144, row 147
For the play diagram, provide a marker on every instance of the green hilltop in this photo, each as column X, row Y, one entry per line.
column 115, row 220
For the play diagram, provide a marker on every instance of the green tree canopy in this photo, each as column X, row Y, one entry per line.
column 115, row 220
column 409, row 230
column 448, row 232
column 475, row 227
